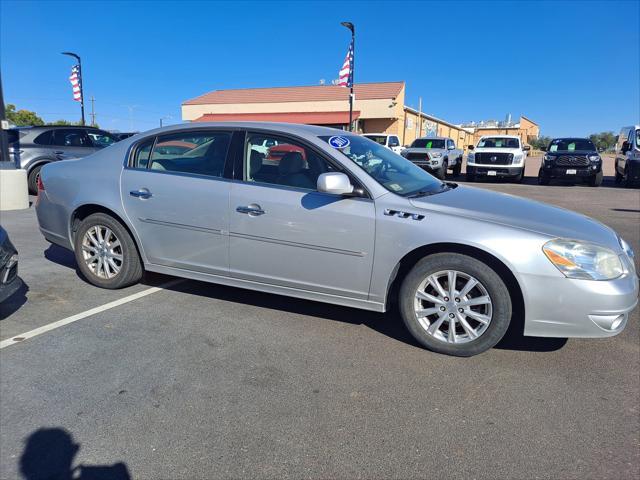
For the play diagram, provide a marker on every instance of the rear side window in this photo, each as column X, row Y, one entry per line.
column 142, row 153
column 45, row 138
column 394, row 142
column 71, row 138
column 200, row 153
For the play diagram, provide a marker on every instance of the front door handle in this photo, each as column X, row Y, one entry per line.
column 141, row 193
column 252, row 210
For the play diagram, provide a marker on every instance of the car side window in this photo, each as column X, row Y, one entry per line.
column 45, row 138
column 71, row 138
column 393, row 141
column 142, row 153
column 286, row 162
column 101, row 139
column 200, row 153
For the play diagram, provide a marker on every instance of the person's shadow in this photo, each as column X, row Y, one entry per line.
column 49, row 455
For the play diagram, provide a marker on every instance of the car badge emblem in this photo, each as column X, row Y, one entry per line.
column 493, row 159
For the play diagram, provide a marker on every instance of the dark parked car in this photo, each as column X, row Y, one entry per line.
column 628, row 156
column 9, row 280
column 122, row 135
column 573, row 159
column 33, row 147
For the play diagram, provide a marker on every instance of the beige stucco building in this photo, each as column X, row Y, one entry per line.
column 378, row 108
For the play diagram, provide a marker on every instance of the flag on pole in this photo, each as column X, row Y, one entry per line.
column 345, row 77
column 76, row 83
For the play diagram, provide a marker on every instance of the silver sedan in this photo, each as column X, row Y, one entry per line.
column 324, row 215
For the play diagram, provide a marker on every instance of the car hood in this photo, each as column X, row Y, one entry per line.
column 497, row 150
column 519, row 212
column 425, row 150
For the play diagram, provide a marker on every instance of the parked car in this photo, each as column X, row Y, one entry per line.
column 575, row 159
column 122, row 135
column 628, row 156
column 500, row 156
column 353, row 225
column 33, row 147
column 9, row 280
column 392, row 142
column 435, row 154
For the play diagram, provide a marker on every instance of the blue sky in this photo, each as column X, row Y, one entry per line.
column 573, row 67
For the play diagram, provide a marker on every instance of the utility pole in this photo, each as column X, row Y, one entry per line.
column 419, row 117
column 93, row 112
column 77, row 57
column 351, row 27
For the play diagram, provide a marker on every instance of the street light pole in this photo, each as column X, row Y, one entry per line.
column 77, row 57
column 351, row 27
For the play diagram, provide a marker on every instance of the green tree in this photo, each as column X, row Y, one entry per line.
column 604, row 140
column 22, row 118
column 540, row 142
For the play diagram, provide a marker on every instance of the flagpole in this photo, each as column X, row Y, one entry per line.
column 77, row 57
column 351, row 27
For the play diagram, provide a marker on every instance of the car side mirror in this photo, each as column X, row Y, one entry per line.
column 451, row 147
column 526, row 148
column 335, row 183
column 625, row 147
column 543, row 149
column 600, row 150
column 471, row 147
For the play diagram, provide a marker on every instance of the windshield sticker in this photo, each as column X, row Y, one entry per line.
column 429, row 144
column 339, row 142
column 395, row 187
column 498, row 143
column 553, row 148
column 571, row 147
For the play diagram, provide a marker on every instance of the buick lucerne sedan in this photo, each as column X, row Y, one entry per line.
column 334, row 217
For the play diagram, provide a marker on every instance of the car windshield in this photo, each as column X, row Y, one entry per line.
column 571, row 144
column 381, row 139
column 428, row 143
column 637, row 138
column 393, row 172
column 498, row 142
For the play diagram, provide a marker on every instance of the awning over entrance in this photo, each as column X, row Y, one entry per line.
column 309, row 118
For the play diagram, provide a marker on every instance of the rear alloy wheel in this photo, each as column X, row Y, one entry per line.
column 454, row 304
column 105, row 253
column 32, row 180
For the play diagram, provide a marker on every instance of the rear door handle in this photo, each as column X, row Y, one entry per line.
column 252, row 210
column 141, row 193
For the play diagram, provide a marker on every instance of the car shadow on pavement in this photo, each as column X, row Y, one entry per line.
column 12, row 304
column 61, row 256
column 389, row 323
column 49, row 453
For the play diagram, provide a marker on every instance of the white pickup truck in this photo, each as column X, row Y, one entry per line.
column 500, row 156
column 392, row 142
column 436, row 154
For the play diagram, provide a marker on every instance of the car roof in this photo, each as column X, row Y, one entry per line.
column 499, row 136
column 291, row 128
column 571, row 138
column 433, row 138
column 55, row 127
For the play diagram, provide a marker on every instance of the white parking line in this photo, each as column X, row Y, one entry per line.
column 79, row 316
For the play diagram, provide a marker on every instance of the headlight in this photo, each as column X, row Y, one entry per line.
column 549, row 158
column 594, row 158
column 435, row 155
column 630, row 253
column 583, row 260
column 471, row 158
column 518, row 158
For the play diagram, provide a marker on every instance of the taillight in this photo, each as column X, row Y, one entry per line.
column 40, row 184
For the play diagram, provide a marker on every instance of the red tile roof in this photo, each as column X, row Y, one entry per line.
column 363, row 91
column 310, row 118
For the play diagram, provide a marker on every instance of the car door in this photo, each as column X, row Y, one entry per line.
column 284, row 232
column 176, row 197
column 71, row 143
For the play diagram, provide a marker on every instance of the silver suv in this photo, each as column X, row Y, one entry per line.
column 33, row 147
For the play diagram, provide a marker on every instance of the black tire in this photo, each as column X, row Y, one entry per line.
column 627, row 181
column 32, row 179
column 441, row 172
column 543, row 179
column 131, row 266
column 518, row 178
column 619, row 177
column 471, row 177
column 596, row 180
column 457, row 170
column 490, row 280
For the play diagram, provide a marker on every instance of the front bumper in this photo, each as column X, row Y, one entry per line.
column 553, row 171
column 9, row 280
column 501, row 171
column 564, row 307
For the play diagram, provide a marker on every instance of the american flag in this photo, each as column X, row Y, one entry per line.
column 345, row 77
column 76, row 83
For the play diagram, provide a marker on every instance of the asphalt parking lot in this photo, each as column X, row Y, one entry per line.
column 192, row 380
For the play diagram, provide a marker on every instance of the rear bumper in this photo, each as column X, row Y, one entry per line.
column 564, row 307
column 501, row 171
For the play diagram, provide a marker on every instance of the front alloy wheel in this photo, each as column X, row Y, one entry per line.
column 453, row 307
column 455, row 304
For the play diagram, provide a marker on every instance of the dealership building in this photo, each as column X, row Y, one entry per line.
column 378, row 108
